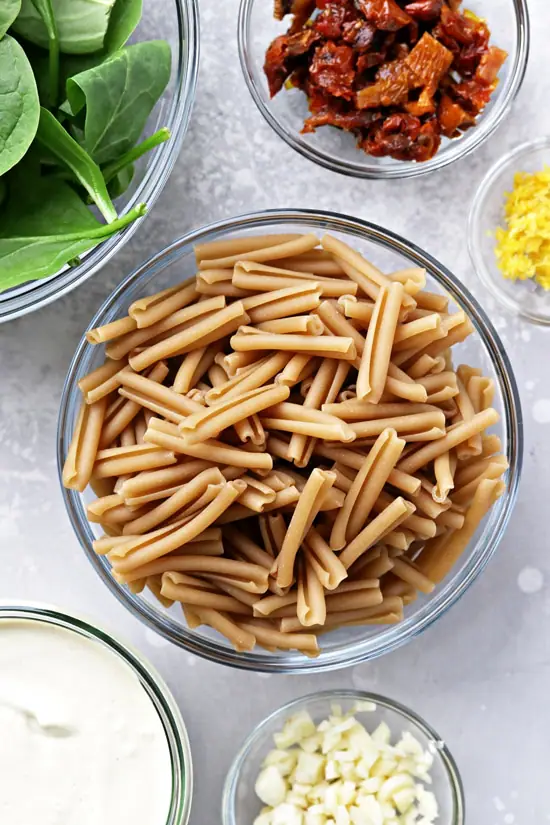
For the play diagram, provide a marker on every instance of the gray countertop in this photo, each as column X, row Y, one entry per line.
column 481, row 675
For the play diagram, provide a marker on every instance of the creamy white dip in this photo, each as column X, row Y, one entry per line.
column 80, row 740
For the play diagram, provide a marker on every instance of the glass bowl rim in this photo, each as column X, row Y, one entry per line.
column 474, row 227
column 387, row 640
column 451, row 768
column 406, row 169
column 185, row 73
column 182, row 767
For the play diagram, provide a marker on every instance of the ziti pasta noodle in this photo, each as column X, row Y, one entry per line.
column 283, row 444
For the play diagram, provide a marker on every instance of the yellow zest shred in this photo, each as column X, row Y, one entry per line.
column 523, row 247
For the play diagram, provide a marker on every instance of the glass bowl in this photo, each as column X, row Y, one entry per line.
column 240, row 805
column 152, row 683
column 524, row 298
column 337, row 150
column 483, row 348
column 176, row 21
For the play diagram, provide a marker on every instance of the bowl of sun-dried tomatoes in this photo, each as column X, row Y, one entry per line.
column 383, row 88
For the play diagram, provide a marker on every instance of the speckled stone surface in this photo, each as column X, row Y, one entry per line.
column 481, row 675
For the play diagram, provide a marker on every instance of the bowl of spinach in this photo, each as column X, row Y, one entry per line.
column 95, row 99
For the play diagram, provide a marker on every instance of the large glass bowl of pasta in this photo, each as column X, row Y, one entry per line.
column 383, row 90
column 298, row 459
column 132, row 138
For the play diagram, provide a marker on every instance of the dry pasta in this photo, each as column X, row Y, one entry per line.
column 282, row 446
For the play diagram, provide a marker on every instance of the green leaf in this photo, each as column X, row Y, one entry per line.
column 120, row 182
column 82, row 24
column 9, row 9
column 45, row 10
column 134, row 154
column 119, row 95
column 4, row 190
column 125, row 16
column 39, row 204
column 19, row 104
column 27, row 257
column 53, row 137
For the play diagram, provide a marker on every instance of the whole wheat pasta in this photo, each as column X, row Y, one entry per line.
column 375, row 359
column 81, row 455
column 281, row 303
column 248, row 378
column 310, row 606
column 306, row 324
column 212, row 420
column 147, row 311
column 413, row 279
column 176, row 502
column 101, row 382
column 273, row 639
column 365, row 488
column 335, row 346
column 437, row 565
column 215, row 345
column 167, row 435
column 315, row 490
column 455, row 436
column 117, row 461
column 271, row 252
column 127, row 410
column 328, row 567
column 108, row 332
column 390, row 518
column 177, row 320
column 337, row 324
column 175, row 587
column 241, row 638
column 359, row 311
column 197, row 335
column 239, row 246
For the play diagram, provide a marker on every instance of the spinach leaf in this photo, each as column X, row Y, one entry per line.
column 52, row 136
column 120, row 182
column 26, row 257
column 45, row 10
column 82, row 24
column 4, row 190
column 125, row 15
column 119, row 95
column 9, row 9
column 38, row 205
column 134, row 154
column 19, row 104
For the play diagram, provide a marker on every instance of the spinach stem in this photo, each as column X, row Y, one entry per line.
column 53, row 64
column 132, row 155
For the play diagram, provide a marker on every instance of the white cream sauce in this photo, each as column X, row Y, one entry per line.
column 80, row 740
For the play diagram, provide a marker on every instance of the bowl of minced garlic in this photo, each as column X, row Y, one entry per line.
column 509, row 231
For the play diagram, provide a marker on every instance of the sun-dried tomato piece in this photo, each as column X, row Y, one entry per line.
column 390, row 88
column 424, row 10
column 473, row 96
column 281, row 56
column 330, row 21
column 332, row 68
column 349, row 121
column 428, row 62
column 385, row 14
column 489, row 65
column 396, row 73
column 358, row 34
column 452, row 116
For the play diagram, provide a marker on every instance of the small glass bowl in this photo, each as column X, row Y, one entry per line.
column 336, row 149
column 240, row 805
column 524, row 298
column 345, row 647
column 176, row 21
column 151, row 681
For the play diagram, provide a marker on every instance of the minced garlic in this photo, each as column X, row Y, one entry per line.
column 523, row 247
